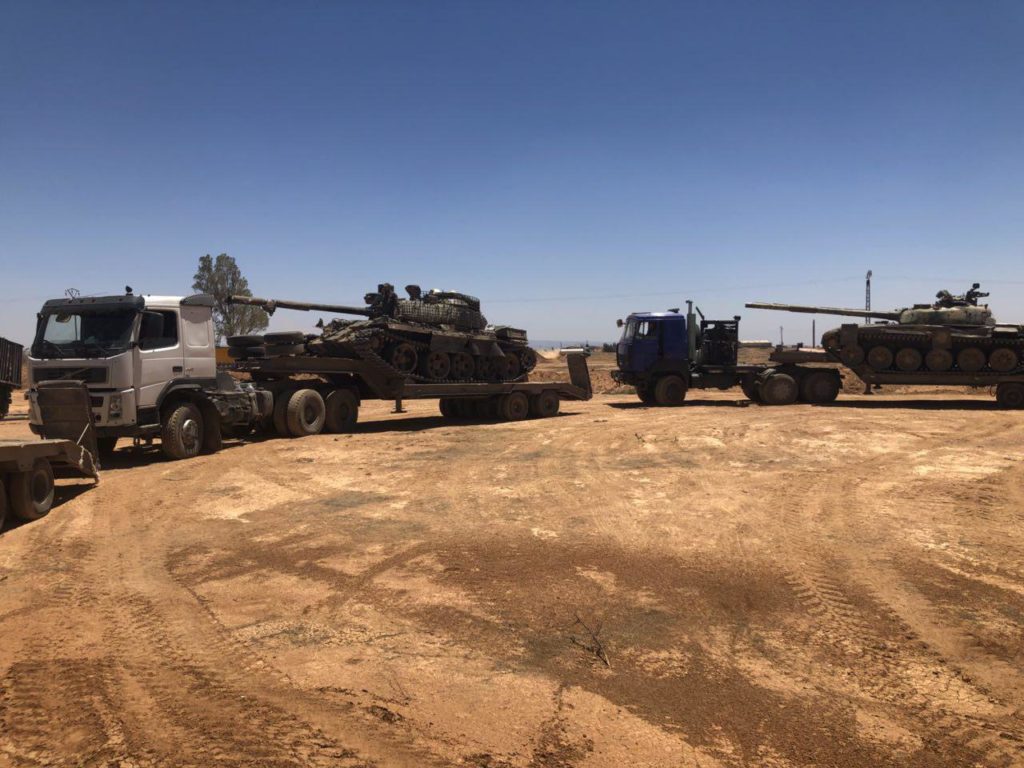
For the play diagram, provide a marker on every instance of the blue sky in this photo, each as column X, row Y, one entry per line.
column 566, row 162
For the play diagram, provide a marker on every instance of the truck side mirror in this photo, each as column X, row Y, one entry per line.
column 619, row 323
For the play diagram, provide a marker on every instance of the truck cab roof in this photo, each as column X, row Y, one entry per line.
column 653, row 315
column 124, row 302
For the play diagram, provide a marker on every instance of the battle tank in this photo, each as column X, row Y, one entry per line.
column 434, row 336
column 952, row 340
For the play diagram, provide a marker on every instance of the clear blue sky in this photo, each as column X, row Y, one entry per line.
column 625, row 155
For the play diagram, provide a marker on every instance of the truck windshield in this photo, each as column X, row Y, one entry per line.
column 639, row 329
column 83, row 334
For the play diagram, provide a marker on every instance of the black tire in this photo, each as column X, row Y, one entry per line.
column 280, row 417
column 5, row 402
column 545, row 405
column 1010, row 394
column 447, row 407
column 285, row 350
column 285, row 337
column 485, row 409
column 246, row 353
column 245, row 341
column 750, row 388
column 306, row 413
column 515, row 406
column 646, row 394
column 105, row 446
column 779, row 389
column 527, row 360
column 181, row 435
column 31, row 492
column 670, row 391
column 3, row 502
column 819, row 387
column 342, row 406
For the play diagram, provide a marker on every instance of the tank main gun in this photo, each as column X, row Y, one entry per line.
column 269, row 305
column 827, row 310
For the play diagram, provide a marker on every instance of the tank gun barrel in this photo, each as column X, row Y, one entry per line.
column 269, row 305
column 825, row 310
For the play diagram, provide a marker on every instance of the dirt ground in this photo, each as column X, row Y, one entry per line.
column 717, row 585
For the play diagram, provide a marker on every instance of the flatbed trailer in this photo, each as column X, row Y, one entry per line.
column 10, row 373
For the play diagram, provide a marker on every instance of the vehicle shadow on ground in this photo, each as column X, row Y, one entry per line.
column 62, row 494
column 420, row 423
column 719, row 403
column 144, row 456
column 918, row 405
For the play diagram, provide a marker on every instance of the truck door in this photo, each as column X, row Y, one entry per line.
column 200, row 353
column 160, row 356
column 645, row 346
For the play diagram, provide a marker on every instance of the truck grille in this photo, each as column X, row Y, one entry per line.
column 90, row 375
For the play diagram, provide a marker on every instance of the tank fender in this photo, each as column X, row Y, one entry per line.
column 440, row 342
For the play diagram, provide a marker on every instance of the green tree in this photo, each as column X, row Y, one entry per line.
column 223, row 278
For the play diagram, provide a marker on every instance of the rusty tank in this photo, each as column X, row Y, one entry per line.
column 953, row 340
column 430, row 336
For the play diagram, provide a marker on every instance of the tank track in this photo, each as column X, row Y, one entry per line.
column 921, row 341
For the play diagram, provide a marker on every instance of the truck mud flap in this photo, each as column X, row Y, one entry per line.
column 67, row 415
column 579, row 373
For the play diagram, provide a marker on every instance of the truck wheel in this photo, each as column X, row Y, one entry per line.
column 446, row 407
column 32, row 492
column 342, row 408
column 819, row 387
column 779, row 389
column 486, row 408
column 515, row 406
column 750, row 389
column 306, row 413
column 181, row 436
column 670, row 391
column 106, row 446
column 3, row 502
column 1010, row 395
column 280, row 418
column 544, row 405
column 245, row 341
column 285, row 350
column 285, row 337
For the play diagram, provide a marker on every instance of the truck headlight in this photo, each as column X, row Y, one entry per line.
column 114, row 407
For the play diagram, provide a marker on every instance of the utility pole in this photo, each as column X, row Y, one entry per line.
column 782, row 341
column 814, row 332
column 867, row 294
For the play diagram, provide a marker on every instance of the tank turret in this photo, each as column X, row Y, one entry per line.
column 434, row 335
column 953, row 335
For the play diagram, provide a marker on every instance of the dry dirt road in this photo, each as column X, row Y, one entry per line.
column 715, row 585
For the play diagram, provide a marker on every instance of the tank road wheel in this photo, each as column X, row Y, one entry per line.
column 306, row 413
column 31, row 492
column 779, row 389
column 280, row 416
column 938, row 360
column 486, row 370
column 670, row 390
column 852, row 356
column 970, row 360
column 342, row 410
column 908, row 359
column 545, row 405
column 181, row 436
column 403, row 357
column 880, row 358
column 1003, row 360
column 436, row 365
column 515, row 406
column 819, row 387
column 528, row 360
column 509, row 367
column 462, row 366
column 1010, row 394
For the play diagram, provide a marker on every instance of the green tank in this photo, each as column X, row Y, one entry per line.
column 429, row 336
column 952, row 340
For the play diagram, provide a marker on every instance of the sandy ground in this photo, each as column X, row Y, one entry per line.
column 717, row 585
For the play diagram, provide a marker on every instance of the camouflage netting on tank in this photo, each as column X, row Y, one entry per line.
column 441, row 313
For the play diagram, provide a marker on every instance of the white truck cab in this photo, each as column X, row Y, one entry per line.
column 133, row 352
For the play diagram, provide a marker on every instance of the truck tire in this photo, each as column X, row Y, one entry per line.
column 247, row 353
column 779, row 389
column 670, row 391
column 280, row 417
column 342, row 408
column 285, row 337
column 819, row 387
column 245, row 341
column 751, row 389
column 515, row 406
column 106, row 446
column 545, row 405
column 181, row 434
column 5, row 401
column 3, row 502
column 1010, row 394
column 31, row 492
column 284, row 350
column 306, row 413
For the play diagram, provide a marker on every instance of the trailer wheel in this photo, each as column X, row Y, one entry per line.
column 105, row 446
column 280, row 418
column 306, row 413
column 819, row 387
column 545, row 405
column 1010, row 394
column 515, row 406
column 750, row 388
column 32, row 492
column 447, row 407
column 342, row 407
column 670, row 391
column 181, row 436
column 3, row 502
column 779, row 389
